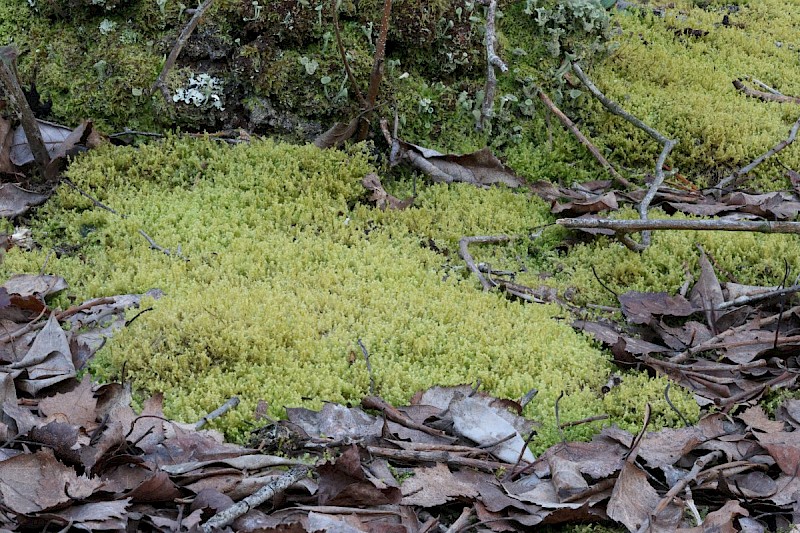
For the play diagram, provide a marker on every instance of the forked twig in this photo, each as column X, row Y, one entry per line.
column 666, row 147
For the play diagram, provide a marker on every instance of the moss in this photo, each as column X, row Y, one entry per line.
column 288, row 270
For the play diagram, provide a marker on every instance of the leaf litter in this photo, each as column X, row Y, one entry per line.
column 79, row 456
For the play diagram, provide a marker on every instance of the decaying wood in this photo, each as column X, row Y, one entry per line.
column 766, row 96
column 666, row 147
column 570, row 125
column 10, row 83
column 276, row 486
column 492, row 61
column 161, row 81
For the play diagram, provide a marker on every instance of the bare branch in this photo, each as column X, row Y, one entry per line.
column 666, row 147
column 567, row 122
column 734, row 178
column 623, row 227
column 765, row 96
column 218, row 412
column 492, row 61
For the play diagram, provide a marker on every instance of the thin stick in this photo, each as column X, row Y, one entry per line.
column 94, row 200
column 343, row 54
column 586, row 420
column 492, row 61
column 463, row 251
column 216, row 413
column 161, row 81
column 735, row 177
column 10, row 82
column 155, row 246
column 672, row 405
column 666, row 147
column 379, row 404
column 558, row 418
column 436, row 457
column 276, row 486
column 369, row 367
column 377, row 71
column 567, row 122
column 766, row 96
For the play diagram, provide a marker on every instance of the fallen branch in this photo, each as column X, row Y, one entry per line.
column 765, row 96
column 624, row 227
column 10, row 83
column 492, row 61
column 666, row 147
column 463, row 251
column 379, row 404
column 216, row 413
column 734, row 178
column 161, row 81
column 436, row 457
column 567, row 122
column 276, row 486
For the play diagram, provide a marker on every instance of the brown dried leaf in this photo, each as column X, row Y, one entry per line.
column 784, row 448
column 706, row 294
column 78, row 407
column 756, row 418
column 34, row 285
column 640, row 307
column 37, row 481
column 383, row 199
column 595, row 204
column 99, row 516
column 6, row 167
column 48, row 361
column 15, row 201
column 336, row 422
column 344, row 483
column 433, row 486
column 721, row 520
column 337, row 134
column 52, row 135
column 633, row 499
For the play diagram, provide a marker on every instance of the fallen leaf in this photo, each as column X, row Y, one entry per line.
column 15, row 201
column 434, row 486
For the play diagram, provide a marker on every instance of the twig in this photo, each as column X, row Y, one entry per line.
column 492, row 61
column 161, row 81
column 10, row 82
column 672, row 405
column 634, row 449
column 692, row 507
column 369, row 367
column 735, row 177
column 766, row 96
column 218, row 412
column 343, row 54
column 666, row 147
column 558, row 418
column 374, row 402
column 135, row 132
column 436, row 457
column 463, row 251
column 754, row 393
column 377, row 71
column 765, row 86
column 586, row 420
column 567, row 122
column 154, row 246
column 94, row 200
column 461, row 521
column 278, row 485
column 632, row 226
